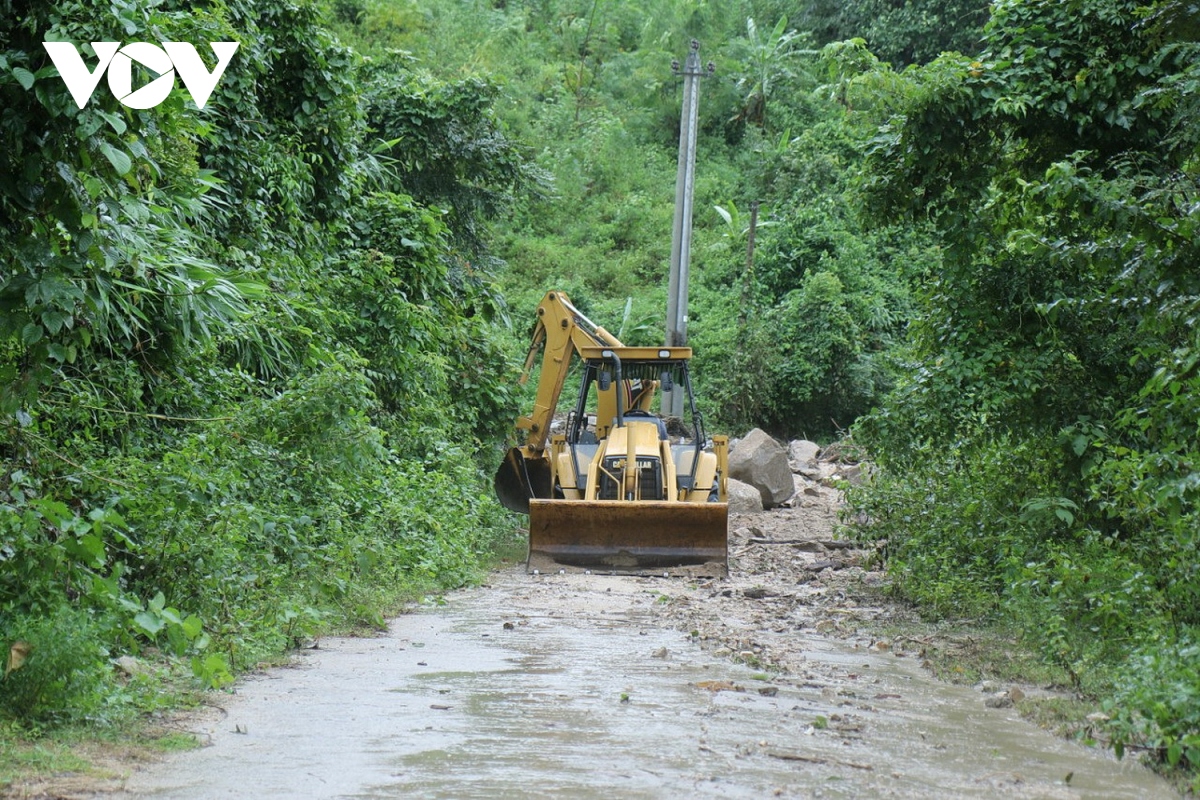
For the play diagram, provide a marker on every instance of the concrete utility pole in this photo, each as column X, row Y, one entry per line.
column 681, row 237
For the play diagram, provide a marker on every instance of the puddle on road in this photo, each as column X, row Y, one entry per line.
column 578, row 702
column 586, row 708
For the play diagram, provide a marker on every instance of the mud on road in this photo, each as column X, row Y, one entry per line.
column 588, row 685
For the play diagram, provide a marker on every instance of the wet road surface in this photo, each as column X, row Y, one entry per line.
column 568, row 686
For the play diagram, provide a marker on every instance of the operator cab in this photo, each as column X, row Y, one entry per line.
column 623, row 388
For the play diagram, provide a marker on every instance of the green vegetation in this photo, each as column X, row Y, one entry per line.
column 257, row 360
column 1039, row 452
column 250, row 376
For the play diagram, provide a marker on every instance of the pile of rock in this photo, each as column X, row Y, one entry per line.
column 764, row 474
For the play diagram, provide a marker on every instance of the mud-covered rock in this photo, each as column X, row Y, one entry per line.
column 998, row 700
column 803, row 491
column 853, row 473
column 762, row 462
column 744, row 498
column 802, row 452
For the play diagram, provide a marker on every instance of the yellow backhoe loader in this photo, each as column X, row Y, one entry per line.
column 620, row 488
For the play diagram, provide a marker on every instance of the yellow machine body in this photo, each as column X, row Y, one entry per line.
column 616, row 491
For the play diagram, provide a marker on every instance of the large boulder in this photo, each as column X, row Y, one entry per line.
column 762, row 462
column 743, row 498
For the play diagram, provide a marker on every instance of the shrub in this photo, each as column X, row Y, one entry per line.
column 56, row 669
column 956, row 520
column 1157, row 702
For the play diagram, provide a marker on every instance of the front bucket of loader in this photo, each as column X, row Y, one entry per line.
column 623, row 536
column 520, row 479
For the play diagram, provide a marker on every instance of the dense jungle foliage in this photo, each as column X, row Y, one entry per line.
column 250, row 371
column 257, row 360
column 1040, row 448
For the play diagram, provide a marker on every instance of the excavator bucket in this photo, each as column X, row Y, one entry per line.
column 520, row 479
column 620, row 536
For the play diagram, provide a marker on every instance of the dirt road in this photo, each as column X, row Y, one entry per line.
column 580, row 685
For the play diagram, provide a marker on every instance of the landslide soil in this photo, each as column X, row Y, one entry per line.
column 820, row 703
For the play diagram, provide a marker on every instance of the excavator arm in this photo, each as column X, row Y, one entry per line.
column 561, row 330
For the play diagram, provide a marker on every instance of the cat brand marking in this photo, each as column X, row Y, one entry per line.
column 639, row 464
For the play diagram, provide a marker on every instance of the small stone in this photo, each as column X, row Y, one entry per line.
column 998, row 700
column 130, row 666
